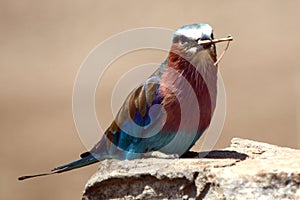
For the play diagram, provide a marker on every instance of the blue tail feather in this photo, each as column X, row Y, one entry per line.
column 87, row 160
column 76, row 164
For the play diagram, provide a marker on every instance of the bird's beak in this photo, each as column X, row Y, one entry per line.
column 214, row 41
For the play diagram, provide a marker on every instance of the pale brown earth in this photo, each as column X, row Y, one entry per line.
column 43, row 43
column 246, row 170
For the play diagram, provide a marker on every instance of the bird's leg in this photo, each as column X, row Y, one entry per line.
column 158, row 154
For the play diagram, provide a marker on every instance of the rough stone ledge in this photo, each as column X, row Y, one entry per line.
column 246, row 170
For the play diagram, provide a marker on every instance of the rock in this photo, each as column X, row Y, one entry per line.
column 245, row 170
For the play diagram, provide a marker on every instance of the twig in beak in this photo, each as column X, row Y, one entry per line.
column 228, row 39
column 223, row 53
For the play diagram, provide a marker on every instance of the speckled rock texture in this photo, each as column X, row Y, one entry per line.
column 245, row 170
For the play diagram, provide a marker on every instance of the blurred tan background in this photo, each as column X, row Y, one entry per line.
column 42, row 45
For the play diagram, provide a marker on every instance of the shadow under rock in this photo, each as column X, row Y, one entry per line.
column 215, row 154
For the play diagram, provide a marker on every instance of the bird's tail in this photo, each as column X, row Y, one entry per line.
column 86, row 159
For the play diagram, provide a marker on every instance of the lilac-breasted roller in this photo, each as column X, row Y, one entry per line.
column 169, row 111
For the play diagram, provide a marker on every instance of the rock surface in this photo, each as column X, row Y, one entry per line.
column 245, row 170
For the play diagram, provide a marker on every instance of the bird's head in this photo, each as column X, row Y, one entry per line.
column 187, row 42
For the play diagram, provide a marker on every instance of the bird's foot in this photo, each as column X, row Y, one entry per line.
column 158, row 154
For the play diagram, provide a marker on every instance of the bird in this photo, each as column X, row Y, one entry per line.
column 169, row 111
